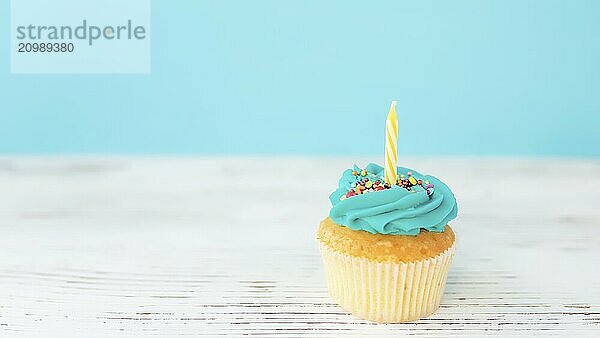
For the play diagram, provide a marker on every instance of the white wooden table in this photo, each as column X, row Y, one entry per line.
column 116, row 246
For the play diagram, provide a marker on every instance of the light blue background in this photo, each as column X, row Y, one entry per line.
column 312, row 77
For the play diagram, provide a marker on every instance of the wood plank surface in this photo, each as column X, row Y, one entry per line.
column 176, row 246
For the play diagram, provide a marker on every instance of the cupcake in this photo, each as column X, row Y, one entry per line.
column 387, row 245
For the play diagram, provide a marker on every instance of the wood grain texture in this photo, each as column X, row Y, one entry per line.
column 120, row 246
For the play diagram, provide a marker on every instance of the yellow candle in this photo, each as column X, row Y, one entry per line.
column 391, row 145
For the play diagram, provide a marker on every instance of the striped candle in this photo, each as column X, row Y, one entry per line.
column 391, row 145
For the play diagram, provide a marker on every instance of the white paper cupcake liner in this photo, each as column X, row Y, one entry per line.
column 386, row 292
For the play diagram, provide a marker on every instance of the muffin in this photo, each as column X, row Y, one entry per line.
column 387, row 248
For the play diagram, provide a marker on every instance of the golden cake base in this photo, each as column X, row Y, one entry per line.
column 385, row 288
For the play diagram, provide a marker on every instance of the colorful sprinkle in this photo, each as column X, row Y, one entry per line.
column 368, row 182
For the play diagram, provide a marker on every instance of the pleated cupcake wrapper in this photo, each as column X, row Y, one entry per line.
column 386, row 292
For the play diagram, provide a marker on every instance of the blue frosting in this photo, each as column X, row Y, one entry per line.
column 394, row 211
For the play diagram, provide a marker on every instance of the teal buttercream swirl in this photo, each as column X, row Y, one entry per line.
column 394, row 211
